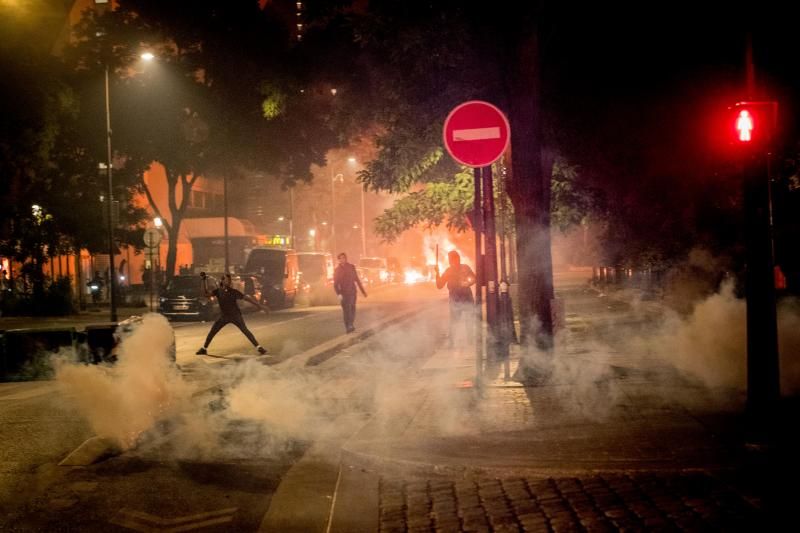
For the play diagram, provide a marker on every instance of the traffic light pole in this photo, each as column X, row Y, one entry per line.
column 763, row 375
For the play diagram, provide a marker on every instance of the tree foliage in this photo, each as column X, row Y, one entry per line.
column 46, row 161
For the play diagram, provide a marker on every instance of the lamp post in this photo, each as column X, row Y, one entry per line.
column 112, row 282
column 363, row 227
column 291, row 218
column 112, row 277
column 334, row 179
column 352, row 160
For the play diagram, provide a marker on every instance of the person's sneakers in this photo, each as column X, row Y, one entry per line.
column 202, row 351
column 351, row 329
column 262, row 350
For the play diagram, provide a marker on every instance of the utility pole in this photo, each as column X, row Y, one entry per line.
column 291, row 218
column 112, row 276
column 225, row 220
column 363, row 227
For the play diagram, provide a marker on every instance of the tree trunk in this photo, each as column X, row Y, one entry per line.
column 172, row 246
column 530, row 193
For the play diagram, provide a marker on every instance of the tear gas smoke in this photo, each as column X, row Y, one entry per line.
column 123, row 401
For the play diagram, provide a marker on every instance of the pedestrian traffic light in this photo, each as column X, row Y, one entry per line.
column 752, row 124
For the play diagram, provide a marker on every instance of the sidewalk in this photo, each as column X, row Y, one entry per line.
column 608, row 443
column 78, row 320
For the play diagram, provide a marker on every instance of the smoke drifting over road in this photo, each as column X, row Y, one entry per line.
column 124, row 401
column 256, row 410
column 607, row 355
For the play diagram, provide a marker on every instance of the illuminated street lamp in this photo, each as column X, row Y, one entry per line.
column 147, row 56
column 334, row 178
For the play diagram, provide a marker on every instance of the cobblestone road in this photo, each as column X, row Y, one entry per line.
column 644, row 502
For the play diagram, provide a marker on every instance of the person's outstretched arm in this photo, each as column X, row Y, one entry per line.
column 441, row 281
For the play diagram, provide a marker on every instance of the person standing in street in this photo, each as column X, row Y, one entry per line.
column 345, row 281
column 458, row 278
column 227, row 297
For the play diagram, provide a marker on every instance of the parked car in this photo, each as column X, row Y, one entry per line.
column 316, row 277
column 184, row 298
column 375, row 270
column 278, row 275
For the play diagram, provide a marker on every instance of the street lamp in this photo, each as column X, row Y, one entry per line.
column 146, row 56
column 334, row 178
column 352, row 161
column 291, row 218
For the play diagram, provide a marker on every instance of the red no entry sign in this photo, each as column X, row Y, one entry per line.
column 476, row 133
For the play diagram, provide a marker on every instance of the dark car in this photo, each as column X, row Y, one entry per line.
column 316, row 277
column 184, row 298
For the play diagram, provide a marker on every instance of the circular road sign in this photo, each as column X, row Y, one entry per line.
column 476, row 133
column 152, row 237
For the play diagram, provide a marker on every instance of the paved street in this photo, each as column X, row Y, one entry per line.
column 172, row 479
column 258, row 447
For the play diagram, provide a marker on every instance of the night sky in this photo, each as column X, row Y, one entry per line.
column 641, row 84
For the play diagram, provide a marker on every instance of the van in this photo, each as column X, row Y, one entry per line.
column 316, row 277
column 277, row 270
column 375, row 270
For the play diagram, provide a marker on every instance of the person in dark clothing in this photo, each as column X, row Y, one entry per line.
column 345, row 280
column 227, row 297
column 458, row 278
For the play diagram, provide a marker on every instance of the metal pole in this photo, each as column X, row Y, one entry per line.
column 363, row 227
column 763, row 375
column 152, row 276
column 112, row 282
column 333, row 213
column 225, row 216
column 478, row 225
column 502, row 216
column 291, row 217
column 490, row 268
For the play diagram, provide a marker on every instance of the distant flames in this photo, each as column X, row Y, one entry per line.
column 414, row 275
column 446, row 245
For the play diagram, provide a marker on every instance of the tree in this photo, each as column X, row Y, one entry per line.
column 44, row 162
column 418, row 60
column 227, row 96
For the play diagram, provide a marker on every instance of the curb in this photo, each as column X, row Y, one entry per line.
column 392, row 466
column 93, row 450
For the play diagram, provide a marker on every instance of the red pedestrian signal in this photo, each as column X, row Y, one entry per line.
column 753, row 123
column 744, row 125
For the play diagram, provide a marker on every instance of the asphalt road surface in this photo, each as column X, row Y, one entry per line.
column 221, row 477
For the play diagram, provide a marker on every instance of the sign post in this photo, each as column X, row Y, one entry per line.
column 476, row 134
column 152, row 238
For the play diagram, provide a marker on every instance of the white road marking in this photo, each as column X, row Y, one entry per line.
column 477, row 134
column 140, row 521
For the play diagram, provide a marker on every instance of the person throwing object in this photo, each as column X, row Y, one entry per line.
column 458, row 278
column 227, row 297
